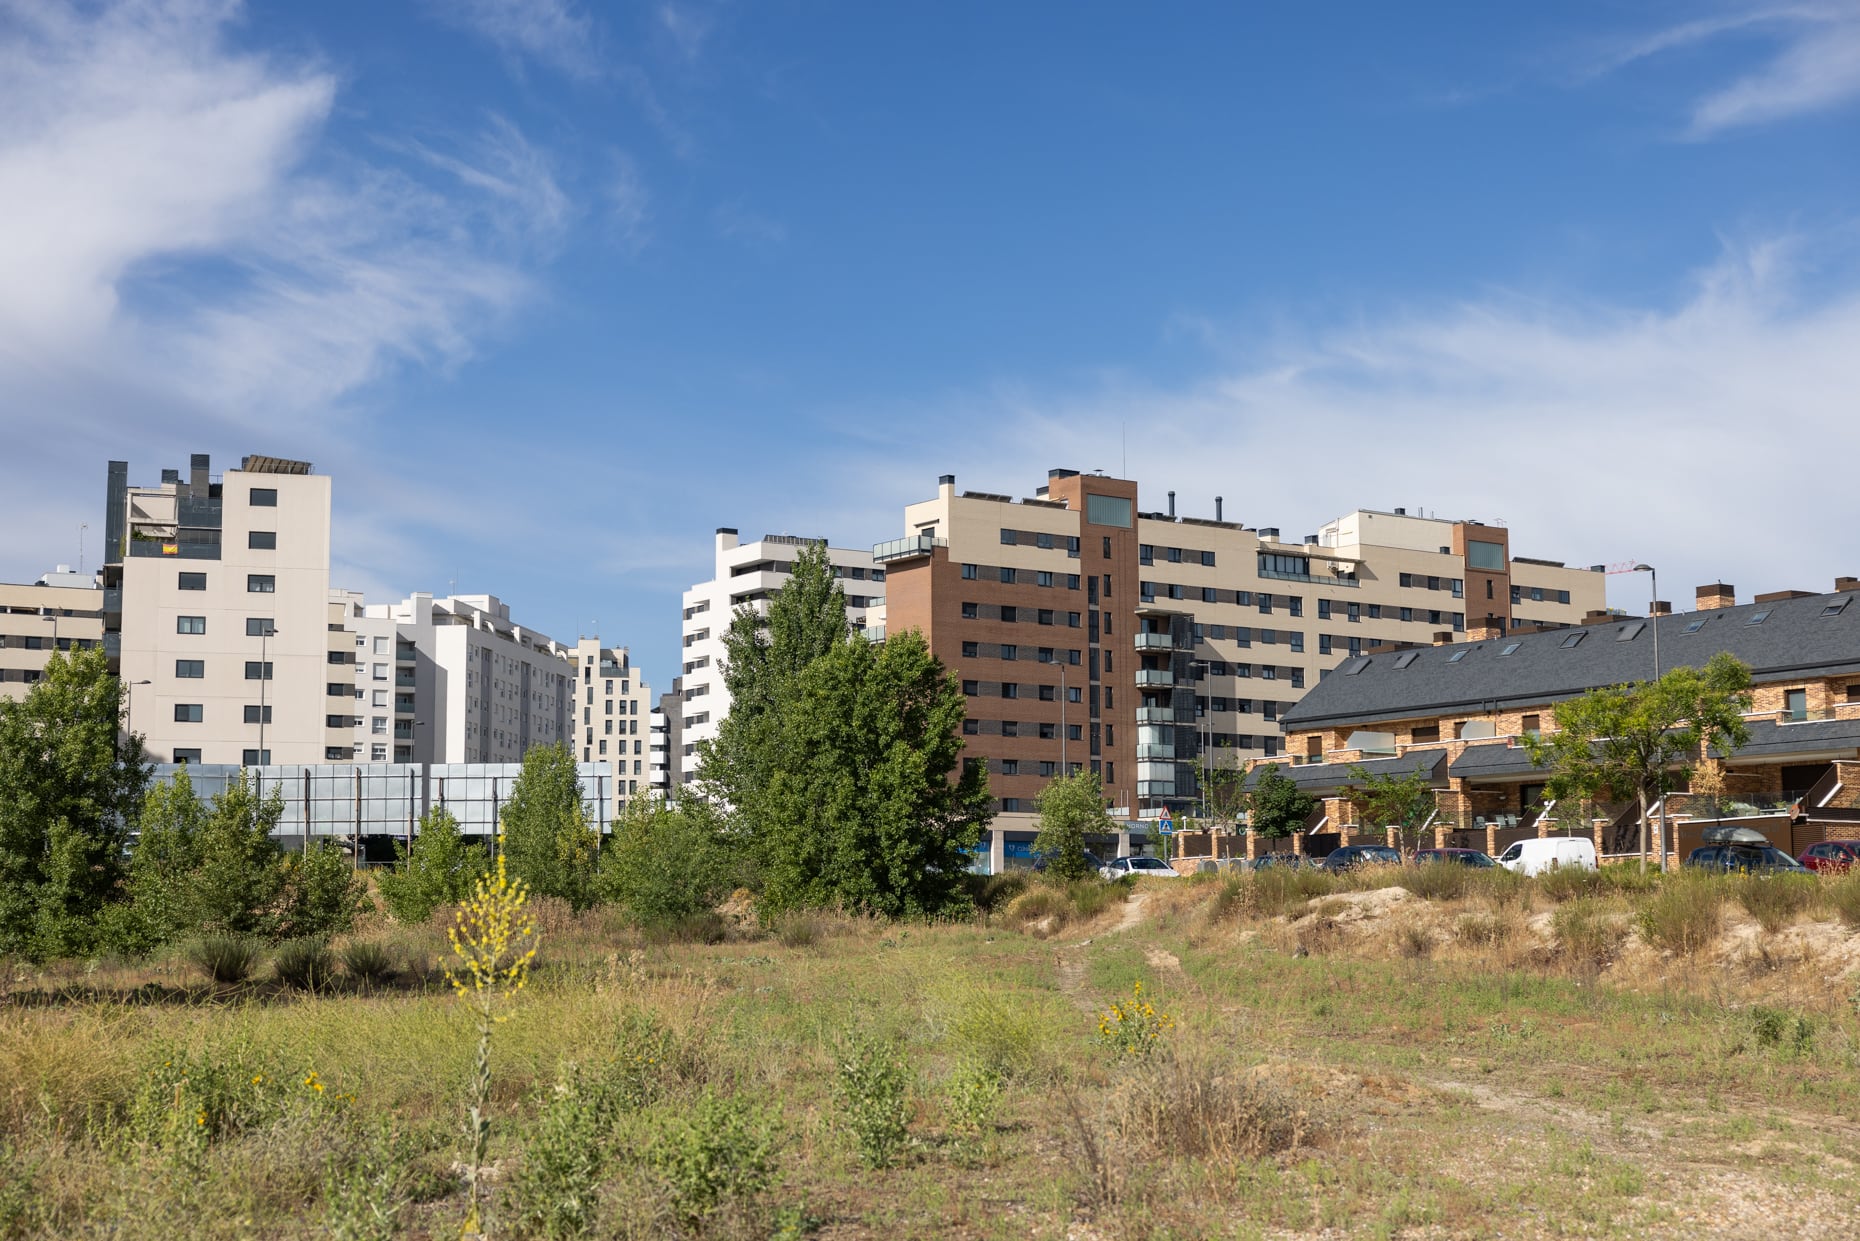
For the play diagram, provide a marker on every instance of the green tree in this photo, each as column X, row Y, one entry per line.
column 1224, row 787
column 238, row 875
column 1402, row 802
column 321, row 893
column 70, row 786
column 1277, row 806
column 1632, row 740
column 763, row 659
column 547, row 841
column 439, row 869
column 666, row 863
column 1070, row 808
column 867, row 804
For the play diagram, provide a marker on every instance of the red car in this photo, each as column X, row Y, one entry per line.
column 1832, row 856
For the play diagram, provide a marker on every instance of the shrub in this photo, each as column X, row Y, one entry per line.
column 1484, row 930
column 1777, row 1029
column 705, row 927
column 718, row 1153
column 798, row 930
column 305, row 964
column 1843, row 895
column 1180, row 1107
column 666, row 865
column 225, row 959
column 368, row 960
column 362, row 1198
column 1037, row 904
column 1505, row 889
column 1438, row 881
column 1566, row 883
column 1414, row 940
column 1684, row 915
column 1588, row 930
column 997, row 1034
column 873, row 1085
column 1133, row 1027
column 974, row 1091
column 995, row 891
column 321, row 893
column 1090, row 896
column 1775, row 900
column 556, row 1189
column 1628, row 878
column 438, row 869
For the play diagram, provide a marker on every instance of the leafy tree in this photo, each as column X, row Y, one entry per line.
column 320, row 895
column 866, row 803
column 1070, row 807
column 1277, row 806
column 439, row 869
column 763, row 659
column 666, row 863
column 1401, row 802
column 70, row 786
column 237, row 876
column 1224, row 783
column 1631, row 740
column 547, row 841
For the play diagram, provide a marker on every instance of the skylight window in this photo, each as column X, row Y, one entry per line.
column 1459, row 655
column 1575, row 638
column 1355, row 666
column 1757, row 618
column 1630, row 632
column 1511, row 648
column 1835, row 608
column 1694, row 627
column 1406, row 657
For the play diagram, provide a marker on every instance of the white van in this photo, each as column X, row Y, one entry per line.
column 1534, row 857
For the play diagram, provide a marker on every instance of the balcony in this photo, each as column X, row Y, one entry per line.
column 1155, row 715
column 112, row 600
column 1159, row 677
column 1154, row 751
column 906, row 549
column 405, row 654
column 404, row 678
column 1155, row 788
column 1155, row 642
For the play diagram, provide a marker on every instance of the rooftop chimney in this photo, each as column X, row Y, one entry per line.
column 1443, row 637
column 1172, row 504
column 1217, row 508
column 1660, row 607
column 200, row 465
column 1846, row 583
column 1718, row 595
column 1401, row 512
column 1597, row 616
column 1269, row 534
column 946, row 480
column 1311, row 540
column 1490, row 629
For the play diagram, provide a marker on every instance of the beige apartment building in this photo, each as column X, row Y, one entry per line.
column 611, row 710
column 217, row 607
column 1089, row 633
column 61, row 611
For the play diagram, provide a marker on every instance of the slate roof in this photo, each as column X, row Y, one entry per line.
column 1487, row 760
column 1829, row 738
column 1314, row 776
column 1798, row 638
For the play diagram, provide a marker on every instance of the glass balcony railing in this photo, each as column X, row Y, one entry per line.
column 1155, row 642
column 902, row 549
column 1155, row 676
column 1155, row 715
column 1155, row 752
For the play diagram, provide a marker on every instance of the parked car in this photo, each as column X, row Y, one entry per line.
column 1534, row 857
column 1349, row 857
column 1476, row 858
column 1148, row 867
column 1092, row 860
column 1831, row 856
column 1742, row 849
column 1283, row 861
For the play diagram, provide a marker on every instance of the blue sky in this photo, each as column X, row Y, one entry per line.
column 553, row 289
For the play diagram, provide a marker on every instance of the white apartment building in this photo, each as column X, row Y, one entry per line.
column 61, row 611
column 216, row 604
column 660, row 745
column 612, row 726
column 748, row 575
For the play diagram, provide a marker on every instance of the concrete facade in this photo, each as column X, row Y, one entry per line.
column 61, row 611
column 747, row 575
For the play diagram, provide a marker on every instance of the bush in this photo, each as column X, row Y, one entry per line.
column 1505, row 889
column 974, row 1091
column 995, row 891
column 439, row 869
column 1566, row 883
column 666, row 865
column 1685, row 915
column 1133, row 1027
column 322, row 893
column 1090, row 897
column 798, row 930
column 556, row 1190
column 1777, row 1029
column 1484, row 930
column 225, row 959
column 368, row 960
column 1001, row 1036
column 1628, row 878
column 1438, row 881
column 873, row 1085
column 704, row 927
column 716, row 1154
column 1588, row 930
column 1178, row 1107
column 1843, row 895
column 1775, row 900
column 305, row 964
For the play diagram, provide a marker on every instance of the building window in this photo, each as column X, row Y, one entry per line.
column 261, row 584
column 971, row 650
column 187, row 756
column 971, row 572
column 1107, row 547
column 971, row 688
column 969, row 611
column 971, row 728
column 1009, row 616
column 190, row 669
column 190, row 624
column 1795, row 704
column 378, row 725
column 1007, row 538
column 1010, row 651
column 377, row 753
column 264, row 497
column 1007, row 575
column 188, row 713
column 262, row 626
column 193, row 581
column 255, row 758
column 1043, row 578
column 255, row 671
column 262, row 540
column 1010, row 689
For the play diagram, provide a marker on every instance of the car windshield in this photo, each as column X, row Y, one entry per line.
column 1512, row 854
column 1148, row 863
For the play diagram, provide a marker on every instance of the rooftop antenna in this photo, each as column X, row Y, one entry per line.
column 82, row 527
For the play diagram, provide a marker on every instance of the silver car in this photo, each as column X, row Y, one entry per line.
column 1142, row 866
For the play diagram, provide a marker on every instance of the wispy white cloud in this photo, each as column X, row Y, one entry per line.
column 688, row 27
column 554, row 33
column 736, row 222
column 1814, row 64
column 516, row 178
column 629, row 204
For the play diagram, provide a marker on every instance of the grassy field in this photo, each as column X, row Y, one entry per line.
column 1461, row 1056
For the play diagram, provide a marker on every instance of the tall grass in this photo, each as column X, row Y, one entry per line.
column 1685, row 914
column 1842, row 895
column 1775, row 901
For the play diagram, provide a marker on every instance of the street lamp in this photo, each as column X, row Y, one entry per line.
column 1653, row 618
column 129, row 705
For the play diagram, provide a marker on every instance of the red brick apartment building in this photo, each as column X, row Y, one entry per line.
column 1090, row 634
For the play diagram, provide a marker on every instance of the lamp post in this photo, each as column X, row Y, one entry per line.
column 264, row 674
column 129, row 705
column 1204, row 729
column 1653, row 618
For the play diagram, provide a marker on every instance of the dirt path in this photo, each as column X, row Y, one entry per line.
column 1069, row 959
